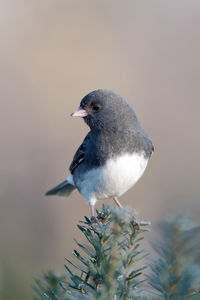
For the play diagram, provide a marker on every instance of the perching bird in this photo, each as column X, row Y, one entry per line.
column 114, row 153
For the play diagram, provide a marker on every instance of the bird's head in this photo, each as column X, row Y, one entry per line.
column 104, row 109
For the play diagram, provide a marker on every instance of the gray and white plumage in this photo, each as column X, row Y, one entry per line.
column 113, row 155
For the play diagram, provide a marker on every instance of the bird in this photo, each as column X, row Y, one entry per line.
column 114, row 154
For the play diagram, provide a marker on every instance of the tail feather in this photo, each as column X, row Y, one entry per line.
column 64, row 189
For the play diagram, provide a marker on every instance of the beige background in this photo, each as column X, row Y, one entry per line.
column 52, row 53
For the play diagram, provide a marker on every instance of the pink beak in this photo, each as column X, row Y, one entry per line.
column 79, row 113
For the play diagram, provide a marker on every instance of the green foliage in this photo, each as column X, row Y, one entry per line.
column 48, row 286
column 107, row 265
column 106, row 268
column 176, row 273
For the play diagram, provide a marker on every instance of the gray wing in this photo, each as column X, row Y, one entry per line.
column 80, row 154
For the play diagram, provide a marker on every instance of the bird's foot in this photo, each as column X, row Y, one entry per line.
column 93, row 219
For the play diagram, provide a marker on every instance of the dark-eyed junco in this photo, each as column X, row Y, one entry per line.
column 113, row 155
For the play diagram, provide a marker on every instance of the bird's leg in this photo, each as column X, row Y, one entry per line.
column 93, row 218
column 117, row 202
column 136, row 224
column 92, row 210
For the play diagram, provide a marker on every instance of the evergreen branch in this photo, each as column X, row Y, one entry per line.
column 108, row 269
column 176, row 274
column 108, row 263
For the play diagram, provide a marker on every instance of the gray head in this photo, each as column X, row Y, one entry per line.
column 104, row 109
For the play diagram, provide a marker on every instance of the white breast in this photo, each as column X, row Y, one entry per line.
column 113, row 179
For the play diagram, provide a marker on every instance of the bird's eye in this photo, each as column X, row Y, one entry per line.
column 96, row 107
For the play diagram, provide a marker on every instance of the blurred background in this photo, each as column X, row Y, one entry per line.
column 52, row 53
